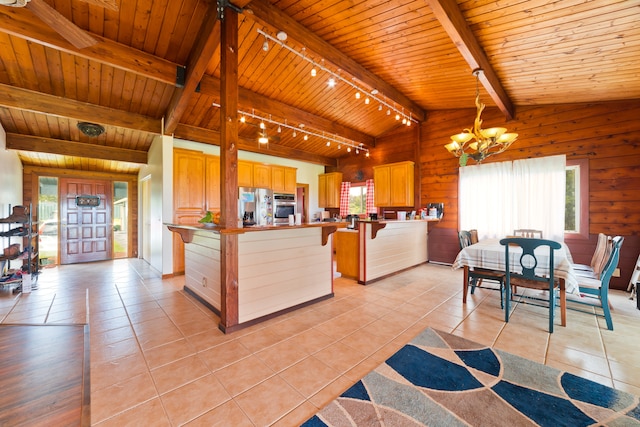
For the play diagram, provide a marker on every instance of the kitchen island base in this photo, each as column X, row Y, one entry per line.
column 279, row 269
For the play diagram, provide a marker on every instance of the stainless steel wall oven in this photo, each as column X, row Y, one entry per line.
column 283, row 206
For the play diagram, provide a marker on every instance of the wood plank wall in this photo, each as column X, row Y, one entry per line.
column 608, row 134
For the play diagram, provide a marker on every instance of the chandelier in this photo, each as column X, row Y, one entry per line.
column 486, row 142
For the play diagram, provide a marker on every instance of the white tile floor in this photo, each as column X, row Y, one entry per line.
column 158, row 358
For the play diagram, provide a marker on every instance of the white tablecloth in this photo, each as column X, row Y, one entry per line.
column 489, row 254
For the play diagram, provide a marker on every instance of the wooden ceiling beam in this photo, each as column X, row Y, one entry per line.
column 77, row 149
column 249, row 99
column 37, row 102
column 207, row 41
column 266, row 13
column 18, row 23
column 450, row 16
column 207, row 136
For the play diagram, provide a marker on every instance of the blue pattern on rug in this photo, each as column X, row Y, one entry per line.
column 544, row 409
column 597, row 394
column 437, row 380
column 357, row 391
column 482, row 360
column 442, row 375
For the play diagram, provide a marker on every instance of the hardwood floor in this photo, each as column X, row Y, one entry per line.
column 44, row 375
column 158, row 357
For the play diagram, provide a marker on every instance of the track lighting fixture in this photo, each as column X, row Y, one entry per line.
column 265, row 46
column 337, row 77
column 263, row 138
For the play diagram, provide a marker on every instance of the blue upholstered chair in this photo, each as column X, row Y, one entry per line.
column 595, row 291
column 526, row 272
column 477, row 275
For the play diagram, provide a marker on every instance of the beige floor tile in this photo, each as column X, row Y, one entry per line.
column 227, row 414
column 268, row 401
column 168, row 353
column 244, row 374
column 281, row 355
column 176, row 374
column 150, row 413
column 194, row 399
column 340, row 357
column 115, row 371
column 309, row 376
column 225, row 354
column 112, row 400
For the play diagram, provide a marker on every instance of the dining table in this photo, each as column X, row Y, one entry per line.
column 490, row 254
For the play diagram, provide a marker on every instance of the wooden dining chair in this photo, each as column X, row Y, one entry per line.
column 526, row 271
column 477, row 275
column 529, row 233
column 595, row 292
column 598, row 260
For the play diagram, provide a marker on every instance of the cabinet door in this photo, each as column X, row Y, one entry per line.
column 322, row 191
column 381, row 183
column 212, row 183
column 261, row 175
column 401, row 184
column 290, row 180
column 245, row 173
column 188, row 182
column 277, row 179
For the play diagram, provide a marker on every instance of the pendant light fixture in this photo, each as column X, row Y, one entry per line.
column 486, row 142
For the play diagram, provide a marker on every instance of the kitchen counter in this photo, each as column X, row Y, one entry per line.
column 280, row 268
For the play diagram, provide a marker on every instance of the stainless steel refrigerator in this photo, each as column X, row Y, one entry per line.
column 255, row 206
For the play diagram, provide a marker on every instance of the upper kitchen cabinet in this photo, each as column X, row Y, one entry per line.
column 283, row 179
column 329, row 190
column 261, row 175
column 393, row 184
column 245, row 173
column 212, row 183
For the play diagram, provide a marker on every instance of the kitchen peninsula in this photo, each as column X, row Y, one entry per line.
column 376, row 249
column 280, row 268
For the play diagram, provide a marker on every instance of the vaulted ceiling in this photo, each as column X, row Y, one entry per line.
column 141, row 68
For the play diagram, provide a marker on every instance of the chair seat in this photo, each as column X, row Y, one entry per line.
column 532, row 284
column 487, row 274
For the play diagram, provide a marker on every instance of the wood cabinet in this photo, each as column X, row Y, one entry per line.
column 212, row 183
column 393, row 184
column 196, row 190
column 283, row 179
column 261, row 175
column 245, row 173
column 329, row 189
column 347, row 252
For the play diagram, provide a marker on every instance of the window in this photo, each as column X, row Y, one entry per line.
column 358, row 199
column 576, row 221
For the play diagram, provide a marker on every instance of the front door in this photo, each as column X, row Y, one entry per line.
column 85, row 233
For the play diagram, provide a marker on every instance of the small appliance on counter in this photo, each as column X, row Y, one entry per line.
column 255, row 206
column 352, row 221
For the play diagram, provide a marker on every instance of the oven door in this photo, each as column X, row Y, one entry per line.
column 281, row 213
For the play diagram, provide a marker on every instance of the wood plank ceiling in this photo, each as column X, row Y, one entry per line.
column 153, row 66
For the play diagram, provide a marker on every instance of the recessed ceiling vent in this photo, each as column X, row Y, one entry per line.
column 90, row 129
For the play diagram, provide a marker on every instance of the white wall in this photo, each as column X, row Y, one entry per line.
column 153, row 171
column 10, row 177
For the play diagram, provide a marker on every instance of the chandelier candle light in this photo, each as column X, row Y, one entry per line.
column 487, row 142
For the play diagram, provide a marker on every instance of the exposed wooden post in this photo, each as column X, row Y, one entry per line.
column 228, row 167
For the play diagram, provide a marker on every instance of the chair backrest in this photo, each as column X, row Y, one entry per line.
column 474, row 236
column 464, row 237
column 528, row 260
column 602, row 253
column 526, row 232
column 612, row 261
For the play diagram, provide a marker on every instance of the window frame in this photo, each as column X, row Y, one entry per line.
column 359, row 185
column 583, row 166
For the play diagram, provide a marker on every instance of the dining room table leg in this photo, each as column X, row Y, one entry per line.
column 465, row 284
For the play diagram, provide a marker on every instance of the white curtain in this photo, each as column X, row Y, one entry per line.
column 496, row 198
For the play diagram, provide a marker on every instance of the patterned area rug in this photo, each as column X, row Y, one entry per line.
column 439, row 379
